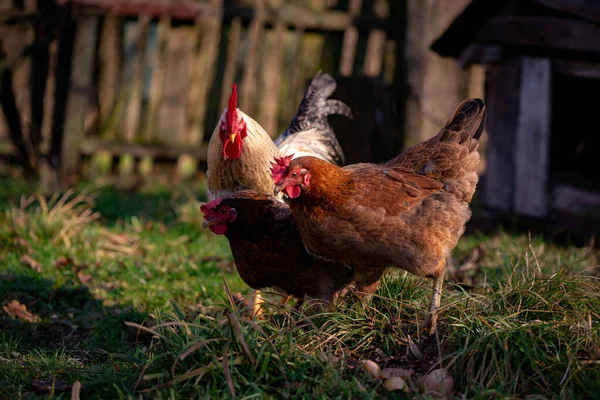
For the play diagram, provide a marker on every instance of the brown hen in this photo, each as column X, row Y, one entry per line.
column 407, row 213
column 268, row 250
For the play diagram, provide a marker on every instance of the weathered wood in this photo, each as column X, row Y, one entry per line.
column 153, row 8
column 233, row 49
column 188, row 10
column 271, row 80
column 202, row 75
column 575, row 200
column 158, row 81
column 376, row 41
column 62, row 72
column 586, row 9
column 533, row 137
column 296, row 83
column 78, row 97
column 172, row 113
column 350, row 41
column 249, row 77
column 581, row 69
column 110, row 58
column 502, row 82
column 40, row 66
column 134, row 106
column 541, row 32
column 13, row 117
column 92, row 146
column 478, row 53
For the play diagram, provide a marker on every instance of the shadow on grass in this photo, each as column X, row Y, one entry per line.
column 75, row 338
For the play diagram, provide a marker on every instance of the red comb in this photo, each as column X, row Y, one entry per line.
column 232, row 105
column 211, row 205
column 279, row 166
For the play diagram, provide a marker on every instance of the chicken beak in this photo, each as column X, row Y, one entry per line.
column 232, row 137
column 207, row 222
column 277, row 189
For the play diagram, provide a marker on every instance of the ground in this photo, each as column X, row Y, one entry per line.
column 121, row 295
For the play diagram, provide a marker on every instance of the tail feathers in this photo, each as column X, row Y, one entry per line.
column 315, row 106
column 469, row 117
column 337, row 107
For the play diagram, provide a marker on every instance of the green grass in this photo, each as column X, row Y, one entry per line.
column 130, row 300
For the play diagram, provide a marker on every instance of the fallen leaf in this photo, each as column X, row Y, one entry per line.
column 47, row 386
column 62, row 262
column 18, row 310
column 31, row 263
column 83, row 277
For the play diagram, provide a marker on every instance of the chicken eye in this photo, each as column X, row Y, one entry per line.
column 223, row 210
column 294, row 174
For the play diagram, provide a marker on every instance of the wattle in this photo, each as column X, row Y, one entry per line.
column 293, row 191
column 219, row 229
column 232, row 151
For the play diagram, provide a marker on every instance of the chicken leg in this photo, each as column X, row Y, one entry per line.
column 256, row 303
column 436, row 298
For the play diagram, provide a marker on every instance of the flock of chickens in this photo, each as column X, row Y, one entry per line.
column 300, row 222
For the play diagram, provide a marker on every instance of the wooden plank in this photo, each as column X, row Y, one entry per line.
column 202, row 75
column 158, row 80
column 581, row 69
column 575, row 200
column 502, row 83
column 134, row 106
column 296, row 83
column 586, row 9
column 82, row 68
column 40, row 67
column 172, row 112
column 533, row 137
column 541, row 32
column 249, row 77
column 13, row 117
column 478, row 53
column 152, row 8
column 187, row 10
column 110, row 57
column 92, row 146
column 350, row 41
column 376, row 41
column 271, row 80
column 233, row 49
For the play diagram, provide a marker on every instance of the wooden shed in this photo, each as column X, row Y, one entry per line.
column 541, row 87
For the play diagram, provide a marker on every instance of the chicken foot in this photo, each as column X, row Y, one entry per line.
column 431, row 320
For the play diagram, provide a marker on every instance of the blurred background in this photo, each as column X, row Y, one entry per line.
column 128, row 92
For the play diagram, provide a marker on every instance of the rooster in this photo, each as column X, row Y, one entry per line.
column 407, row 213
column 268, row 250
column 240, row 151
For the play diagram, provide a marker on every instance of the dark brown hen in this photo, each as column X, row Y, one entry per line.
column 407, row 213
column 268, row 250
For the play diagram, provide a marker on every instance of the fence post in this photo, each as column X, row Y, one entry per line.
column 80, row 82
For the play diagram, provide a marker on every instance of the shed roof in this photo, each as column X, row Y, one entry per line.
column 568, row 29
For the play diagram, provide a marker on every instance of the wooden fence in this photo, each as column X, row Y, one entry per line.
column 149, row 78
